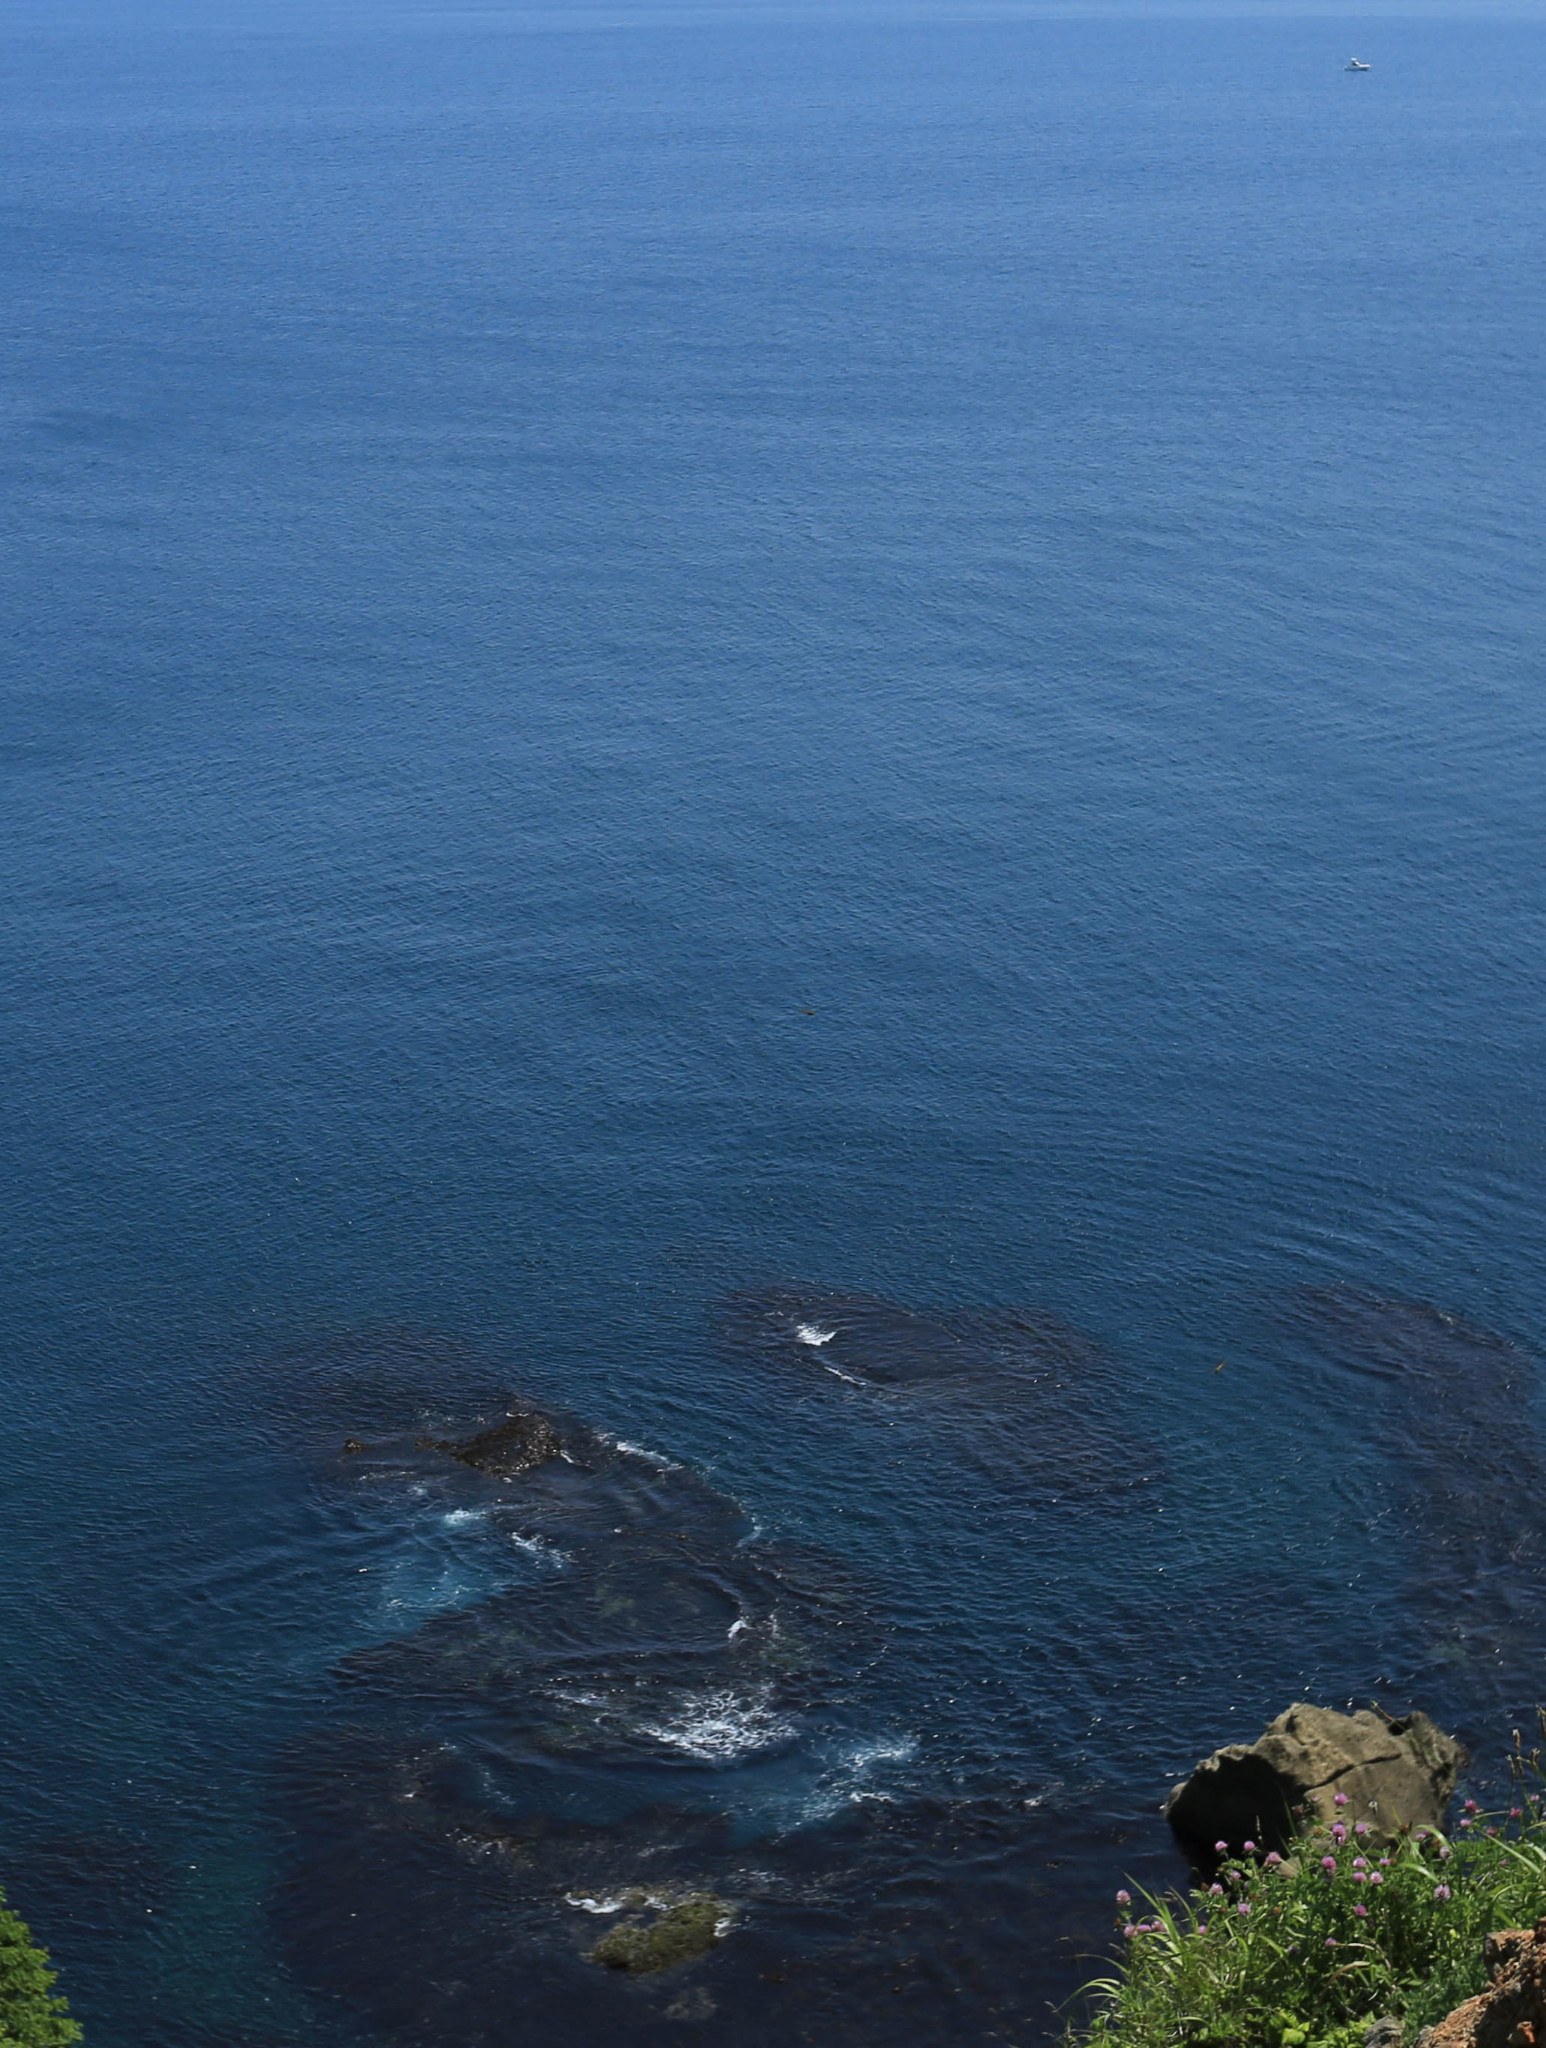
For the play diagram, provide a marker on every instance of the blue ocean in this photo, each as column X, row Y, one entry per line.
column 811, row 736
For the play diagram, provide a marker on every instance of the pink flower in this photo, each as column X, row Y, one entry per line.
column 1360, row 1877
column 1516, row 1813
column 1331, row 1941
column 1202, row 1927
column 1466, row 1821
column 1250, row 1848
column 1361, row 1829
column 1273, row 1859
column 1338, row 1833
column 1243, row 1908
column 1221, row 1848
column 1445, row 1852
column 1359, row 1863
column 1217, row 1890
column 1442, row 1891
column 1124, row 1898
column 1339, row 1799
column 1328, row 1863
column 1470, row 1806
column 1129, row 1931
column 1362, row 1912
column 1375, row 1878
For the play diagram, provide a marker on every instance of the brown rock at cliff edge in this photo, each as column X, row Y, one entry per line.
column 1392, row 1774
column 1511, row 2012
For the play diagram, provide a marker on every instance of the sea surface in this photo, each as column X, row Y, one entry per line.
column 818, row 736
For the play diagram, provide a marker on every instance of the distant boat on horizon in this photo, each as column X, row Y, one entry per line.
column 1354, row 65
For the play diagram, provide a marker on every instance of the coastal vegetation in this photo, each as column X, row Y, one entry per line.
column 31, row 2014
column 1306, row 1950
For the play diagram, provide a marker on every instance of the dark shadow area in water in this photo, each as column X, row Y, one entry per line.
column 102, row 1888
column 1453, row 1407
column 666, row 1707
column 377, row 1381
column 1038, row 1408
column 437, row 1919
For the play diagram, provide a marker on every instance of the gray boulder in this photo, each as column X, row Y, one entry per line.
column 1394, row 1774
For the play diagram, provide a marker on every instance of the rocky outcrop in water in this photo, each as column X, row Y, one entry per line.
column 522, row 1442
column 535, row 1803
column 689, row 1928
column 1389, row 1773
column 1511, row 2012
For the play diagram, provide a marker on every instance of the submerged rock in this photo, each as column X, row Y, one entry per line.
column 433, row 1907
column 1034, row 1405
column 659, row 1711
column 1451, row 1404
column 522, row 1442
column 1391, row 1774
column 683, row 1931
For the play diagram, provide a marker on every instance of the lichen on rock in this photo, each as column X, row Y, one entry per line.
column 690, row 1928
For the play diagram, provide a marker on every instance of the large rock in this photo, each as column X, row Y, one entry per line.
column 522, row 1442
column 690, row 1928
column 1393, row 1774
column 1511, row 2012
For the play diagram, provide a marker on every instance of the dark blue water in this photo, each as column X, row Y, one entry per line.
column 678, row 675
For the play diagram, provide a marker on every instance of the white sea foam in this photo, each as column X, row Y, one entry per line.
column 847, row 1781
column 845, row 1376
column 463, row 1518
column 813, row 1334
column 650, row 1457
column 656, row 1902
column 572, row 1696
column 721, row 1727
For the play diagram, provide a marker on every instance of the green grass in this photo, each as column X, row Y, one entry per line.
column 1303, row 1953
column 31, row 2016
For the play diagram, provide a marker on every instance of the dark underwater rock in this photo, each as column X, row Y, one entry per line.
column 380, row 1381
column 1452, row 1404
column 519, row 1444
column 648, row 1648
column 668, row 1708
column 1389, row 1773
column 1032, row 1403
column 434, row 1915
column 869, row 1341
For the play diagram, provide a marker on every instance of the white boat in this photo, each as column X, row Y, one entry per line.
column 1354, row 65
